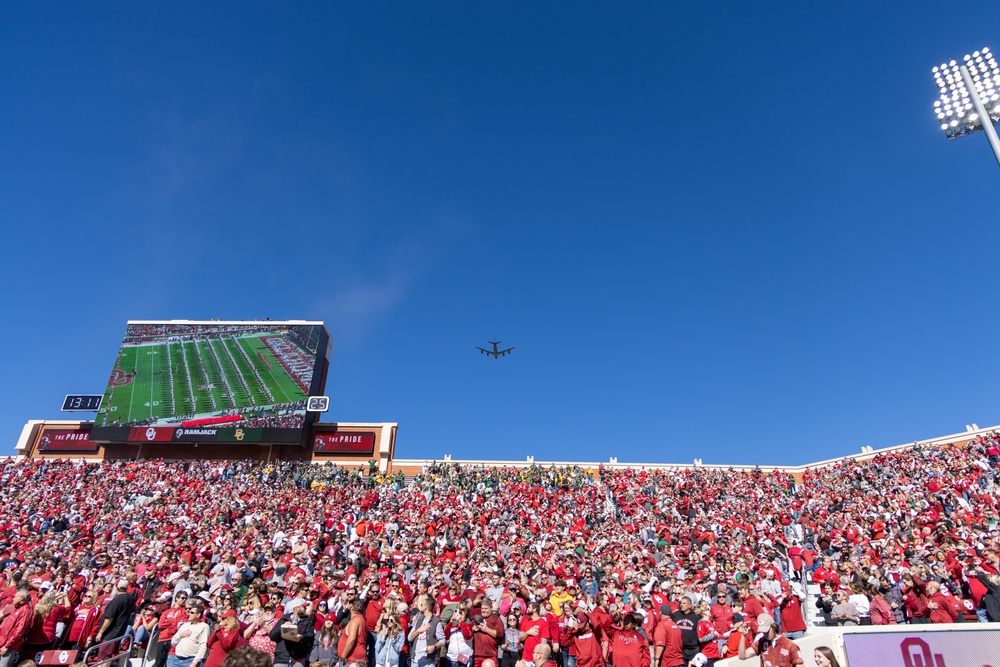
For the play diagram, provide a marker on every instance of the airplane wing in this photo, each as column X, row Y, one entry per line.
column 503, row 352
column 483, row 351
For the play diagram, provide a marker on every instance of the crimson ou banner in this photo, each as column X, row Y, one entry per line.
column 344, row 443
column 44, row 658
column 950, row 648
column 151, row 434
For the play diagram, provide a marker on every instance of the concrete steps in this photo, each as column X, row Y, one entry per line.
column 814, row 617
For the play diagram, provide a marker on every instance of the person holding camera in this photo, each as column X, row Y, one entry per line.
column 459, row 636
column 773, row 648
column 487, row 634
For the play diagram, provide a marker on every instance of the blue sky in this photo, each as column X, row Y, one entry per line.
column 730, row 231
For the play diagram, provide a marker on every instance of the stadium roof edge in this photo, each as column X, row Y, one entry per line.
column 217, row 322
column 386, row 447
column 614, row 463
column 355, row 424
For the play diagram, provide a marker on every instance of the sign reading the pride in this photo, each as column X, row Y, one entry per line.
column 66, row 440
column 344, row 443
column 966, row 648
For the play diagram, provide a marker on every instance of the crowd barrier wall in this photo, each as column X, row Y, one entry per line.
column 944, row 645
column 413, row 466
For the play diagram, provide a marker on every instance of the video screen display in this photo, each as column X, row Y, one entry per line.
column 239, row 382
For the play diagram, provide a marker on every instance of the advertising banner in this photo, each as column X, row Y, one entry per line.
column 210, row 434
column 972, row 648
column 66, row 440
column 344, row 443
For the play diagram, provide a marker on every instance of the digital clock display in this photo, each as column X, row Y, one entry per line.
column 82, row 402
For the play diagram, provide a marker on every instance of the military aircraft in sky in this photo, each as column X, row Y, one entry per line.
column 496, row 353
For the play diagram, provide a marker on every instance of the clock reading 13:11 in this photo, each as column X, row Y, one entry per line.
column 82, row 402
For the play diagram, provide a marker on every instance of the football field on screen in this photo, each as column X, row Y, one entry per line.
column 191, row 378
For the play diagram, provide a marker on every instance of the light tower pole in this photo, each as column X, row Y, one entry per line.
column 970, row 97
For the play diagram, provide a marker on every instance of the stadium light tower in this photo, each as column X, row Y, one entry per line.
column 970, row 97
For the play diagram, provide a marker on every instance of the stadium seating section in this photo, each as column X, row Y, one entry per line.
column 907, row 536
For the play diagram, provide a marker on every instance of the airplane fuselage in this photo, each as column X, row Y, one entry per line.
column 496, row 353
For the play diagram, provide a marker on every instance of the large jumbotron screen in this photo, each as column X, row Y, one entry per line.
column 240, row 382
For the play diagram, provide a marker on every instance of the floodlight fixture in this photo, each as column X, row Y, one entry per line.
column 970, row 97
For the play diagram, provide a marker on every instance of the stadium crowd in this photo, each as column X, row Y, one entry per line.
column 323, row 565
column 141, row 333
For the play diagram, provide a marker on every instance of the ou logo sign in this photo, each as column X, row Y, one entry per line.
column 150, row 433
column 63, row 657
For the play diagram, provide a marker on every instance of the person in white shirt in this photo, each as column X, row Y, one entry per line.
column 861, row 603
column 190, row 642
column 769, row 584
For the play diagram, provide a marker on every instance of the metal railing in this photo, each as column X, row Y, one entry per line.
column 121, row 652
column 149, row 655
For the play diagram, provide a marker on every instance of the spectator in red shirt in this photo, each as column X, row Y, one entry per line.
column 628, row 647
column 731, row 648
column 775, row 649
column 487, row 634
column 588, row 647
column 53, row 608
column 752, row 607
column 668, row 642
column 915, row 599
column 793, row 623
column 600, row 618
column 942, row 609
column 168, row 623
column 708, row 637
column 13, row 629
column 84, row 625
column 534, row 629
column 722, row 613
column 826, row 572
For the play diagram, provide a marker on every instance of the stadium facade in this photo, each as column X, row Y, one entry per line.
column 342, row 443
column 356, row 443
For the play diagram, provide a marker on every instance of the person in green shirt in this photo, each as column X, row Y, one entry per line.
column 239, row 588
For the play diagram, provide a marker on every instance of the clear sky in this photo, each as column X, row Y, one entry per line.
column 730, row 231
